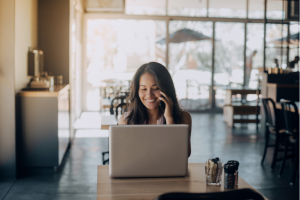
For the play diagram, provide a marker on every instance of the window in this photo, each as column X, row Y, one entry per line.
column 275, row 9
column 255, row 42
column 229, row 58
column 190, row 62
column 256, row 9
column 115, row 49
column 192, row 8
column 145, row 7
column 228, row 9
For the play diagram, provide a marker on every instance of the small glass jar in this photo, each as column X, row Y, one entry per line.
column 214, row 177
column 59, row 80
column 51, row 80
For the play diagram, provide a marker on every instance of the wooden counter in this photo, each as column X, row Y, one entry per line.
column 43, row 127
column 55, row 92
column 282, row 91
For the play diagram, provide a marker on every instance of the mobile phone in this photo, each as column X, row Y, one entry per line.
column 162, row 103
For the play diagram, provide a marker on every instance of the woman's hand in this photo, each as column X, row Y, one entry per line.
column 169, row 108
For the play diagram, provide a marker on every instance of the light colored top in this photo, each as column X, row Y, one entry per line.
column 150, row 188
column 161, row 120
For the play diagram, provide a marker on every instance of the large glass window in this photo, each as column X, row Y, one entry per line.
column 145, row 7
column 256, row 9
column 190, row 8
column 275, row 9
column 276, row 37
column 190, row 51
column 294, row 43
column 255, row 43
column 229, row 58
column 115, row 49
column 227, row 9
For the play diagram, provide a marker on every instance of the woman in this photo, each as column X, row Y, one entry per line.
column 153, row 99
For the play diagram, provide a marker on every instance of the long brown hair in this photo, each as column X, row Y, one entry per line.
column 137, row 111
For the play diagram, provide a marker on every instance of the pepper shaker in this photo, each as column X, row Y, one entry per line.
column 229, row 176
column 236, row 165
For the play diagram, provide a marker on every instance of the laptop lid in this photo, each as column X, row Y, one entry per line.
column 148, row 150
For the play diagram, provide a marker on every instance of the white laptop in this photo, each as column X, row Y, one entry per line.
column 148, row 150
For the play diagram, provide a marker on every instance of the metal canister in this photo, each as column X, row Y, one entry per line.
column 229, row 176
column 236, row 165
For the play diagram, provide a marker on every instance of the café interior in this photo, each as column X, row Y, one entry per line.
column 66, row 69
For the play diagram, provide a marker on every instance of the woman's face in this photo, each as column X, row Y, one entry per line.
column 149, row 92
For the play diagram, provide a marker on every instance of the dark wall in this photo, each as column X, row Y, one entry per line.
column 53, row 36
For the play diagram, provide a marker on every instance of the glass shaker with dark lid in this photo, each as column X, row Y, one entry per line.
column 236, row 166
column 229, row 176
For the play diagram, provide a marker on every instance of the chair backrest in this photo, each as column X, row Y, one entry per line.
column 291, row 116
column 115, row 101
column 270, row 112
column 242, row 194
column 123, row 107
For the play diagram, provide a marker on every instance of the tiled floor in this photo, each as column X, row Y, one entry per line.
column 210, row 138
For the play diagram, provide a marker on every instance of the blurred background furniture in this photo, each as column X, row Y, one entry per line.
column 241, row 107
column 116, row 112
column 276, row 87
column 113, row 92
column 273, row 131
column 291, row 139
column 287, row 91
column 116, row 102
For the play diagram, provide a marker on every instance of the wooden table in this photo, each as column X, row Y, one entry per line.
column 150, row 188
column 238, row 108
column 107, row 120
column 233, row 91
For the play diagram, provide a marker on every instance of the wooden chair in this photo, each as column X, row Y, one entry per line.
column 242, row 194
column 291, row 140
column 272, row 129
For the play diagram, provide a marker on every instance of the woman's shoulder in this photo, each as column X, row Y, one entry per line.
column 121, row 120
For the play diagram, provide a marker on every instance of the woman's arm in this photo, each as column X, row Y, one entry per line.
column 187, row 119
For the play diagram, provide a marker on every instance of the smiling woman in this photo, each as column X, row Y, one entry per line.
column 153, row 99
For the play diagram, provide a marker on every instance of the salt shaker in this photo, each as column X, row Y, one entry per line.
column 236, row 165
column 229, row 176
